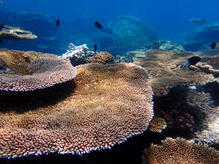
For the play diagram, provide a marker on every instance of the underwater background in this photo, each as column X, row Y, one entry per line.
column 164, row 20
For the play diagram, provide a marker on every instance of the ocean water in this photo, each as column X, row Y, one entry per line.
column 168, row 18
column 43, row 100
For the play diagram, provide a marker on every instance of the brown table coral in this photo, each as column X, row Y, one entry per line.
column 27, row 75
column 109, row 103
column 15, row 33
column 164, row 73
column 181, row 151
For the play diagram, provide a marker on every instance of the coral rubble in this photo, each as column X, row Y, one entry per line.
column 108, row 104
column 181, row 151
column 27, row 75
column 164, row 73
column 78, row 54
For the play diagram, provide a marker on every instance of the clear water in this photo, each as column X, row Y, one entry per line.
column 169, row 17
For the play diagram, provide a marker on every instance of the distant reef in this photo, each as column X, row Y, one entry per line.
column 202, row 37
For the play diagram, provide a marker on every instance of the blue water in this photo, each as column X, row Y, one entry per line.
column 169, row 18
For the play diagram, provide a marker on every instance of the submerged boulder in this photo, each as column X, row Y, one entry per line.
column 202, row 37
column 124, row 34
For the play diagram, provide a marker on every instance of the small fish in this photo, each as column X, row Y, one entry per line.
column 197, row 20
column 213, row 45
column 57, row 22
column 191, row 61
column 95, row 48
column 98, row 25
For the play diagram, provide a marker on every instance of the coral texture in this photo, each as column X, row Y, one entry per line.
column 181, row 151
column 40, row 73
column 109, row 103
column 157, row 124
column 184, row 109
column 102, row 57
column 164, row 73
column 165, row 45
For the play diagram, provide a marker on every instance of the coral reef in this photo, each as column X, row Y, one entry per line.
column 157, row 124
column 125, row 34
column 41, row 73
column 102, row 57
column 15, row 33
column 108, row 104
column 165, row 45
column 164, row 73
column 181, row 151
column 78, row 54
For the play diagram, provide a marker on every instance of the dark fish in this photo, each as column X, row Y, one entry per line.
column 57, row 22
column 213, row 45
column 5, row 69
column 95, row 48
column 3, row 66
column 98, row 25
column 191, row 61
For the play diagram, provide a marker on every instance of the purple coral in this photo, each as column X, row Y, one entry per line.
column 46, row 72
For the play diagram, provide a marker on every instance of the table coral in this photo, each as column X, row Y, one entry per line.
column 107, row 105
column 181, row 151
column 15, row 33
column 164, row 73
column 41, row 73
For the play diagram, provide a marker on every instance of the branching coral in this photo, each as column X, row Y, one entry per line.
column 109, row 104
column 41, row 73
column 15, row 33
column 181, row 151
column 164, row 73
